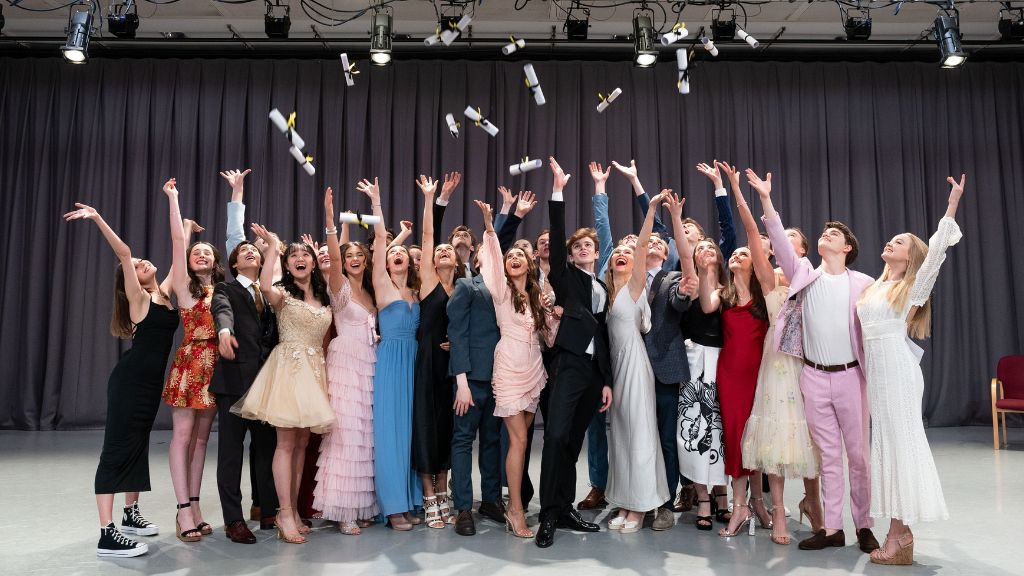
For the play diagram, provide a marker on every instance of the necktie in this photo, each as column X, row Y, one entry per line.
column 257, row 297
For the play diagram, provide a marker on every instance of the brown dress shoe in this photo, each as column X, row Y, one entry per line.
column 866, row 540
column 464, row 525
column 820, row 541
column 594, row 500
column 238, row 532
column 687, row 496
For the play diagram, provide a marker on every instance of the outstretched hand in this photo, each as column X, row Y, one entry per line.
column 561, row 178
column 731, row 172
column 711, row 171
column 191, row 226
column 675, row 205
column 599, row 173
column 507, row 199
column 763, row 187
column 451, row 182
column 329, row 203
column 406, row 226
column 84, row 212
column 427, row 184
column 485, row 210
column 629, row 171
column 235, row 178
column 171, row 187
column 308, row 240
column 269, row 238
column 527, row 202
column 958, row 189
column 371, row 189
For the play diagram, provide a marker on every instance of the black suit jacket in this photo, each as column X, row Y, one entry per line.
column 233, row 308
column 574, row 292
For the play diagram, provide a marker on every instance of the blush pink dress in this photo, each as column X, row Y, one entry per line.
column 518, row 375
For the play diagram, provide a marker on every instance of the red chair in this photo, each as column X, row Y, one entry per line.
column 1007, row 393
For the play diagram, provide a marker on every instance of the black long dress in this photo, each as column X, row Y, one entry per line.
column 133, row 398
column 433, row 393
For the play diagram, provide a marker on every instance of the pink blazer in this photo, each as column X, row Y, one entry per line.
column 789, row 335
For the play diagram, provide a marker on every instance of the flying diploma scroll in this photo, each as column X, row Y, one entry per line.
column 515, row 44
column 684, row 75
column 678, row 32
column 449, row 36
column 478, row 119
column 534, row 84
column 453, row 126
column 525, row 166
column 606, row 100
column 364, row 220
column 350, row 70
column 287, row 127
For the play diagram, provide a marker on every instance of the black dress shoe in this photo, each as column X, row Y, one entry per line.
column 571, row 520
column 820, row 541
column 494, row 511
column 866, row 540
column 545, row 534
column 464, row 525
column 268, row 523
column 239, row 533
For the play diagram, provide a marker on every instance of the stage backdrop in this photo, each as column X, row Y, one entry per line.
column 869, row 144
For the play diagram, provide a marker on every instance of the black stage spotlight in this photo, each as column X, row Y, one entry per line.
column 123, row 19
column 76, row 48
column 644, row 52
column 722, row 29
column 858, row 27
column 380, row 38
column 278, row 20
column 947, row 36
column 1011, row 24
column 576, row 29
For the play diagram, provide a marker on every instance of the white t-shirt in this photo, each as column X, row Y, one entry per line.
column 827, row 320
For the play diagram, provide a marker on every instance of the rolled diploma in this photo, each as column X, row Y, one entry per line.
column 350, row 218
column 517, row 169
column 611, row 97
column 472, row 114
column 431, row 40
column 349, row 80
column 452, row 126
column 282, row 125
column 301, row 159
column 513, row 46
column 534, row 83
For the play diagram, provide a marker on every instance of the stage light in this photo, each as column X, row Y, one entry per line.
column 947, row 36
column 76, row 48
column 645, row 53
column 278, row 20
column 722, row 29
column 576, row 29
column 123, row 19
column 1011, row 24
column 380, row 39
column 857, row 27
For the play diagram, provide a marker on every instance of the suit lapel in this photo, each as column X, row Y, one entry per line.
column 656, row 285
column 246, row 296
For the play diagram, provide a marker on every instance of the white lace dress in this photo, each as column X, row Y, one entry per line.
column 904, row 482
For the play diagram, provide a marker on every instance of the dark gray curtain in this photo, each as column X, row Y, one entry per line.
column 866, row 143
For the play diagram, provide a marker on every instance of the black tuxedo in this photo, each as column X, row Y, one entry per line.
column 575, row 387
column 234, row 309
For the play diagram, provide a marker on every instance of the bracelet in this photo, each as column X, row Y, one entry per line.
column 331, row 231
column 375, row 205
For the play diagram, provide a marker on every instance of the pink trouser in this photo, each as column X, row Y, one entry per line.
column 836, row 407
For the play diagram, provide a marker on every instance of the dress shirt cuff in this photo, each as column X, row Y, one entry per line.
column 721, row 192
column 223, row 330
column 440, row 202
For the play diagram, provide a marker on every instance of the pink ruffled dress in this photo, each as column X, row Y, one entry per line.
column 345, row 489
column 518, row 375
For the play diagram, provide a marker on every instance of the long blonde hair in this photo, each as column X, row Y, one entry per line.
column 920, row 323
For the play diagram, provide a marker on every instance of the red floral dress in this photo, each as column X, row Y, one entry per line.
column 188, row 384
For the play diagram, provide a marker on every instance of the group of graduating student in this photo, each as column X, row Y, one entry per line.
column 679, row 365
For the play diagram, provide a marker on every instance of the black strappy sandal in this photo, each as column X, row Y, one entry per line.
column 704, row 523
column 204, row 528
column 191, row 535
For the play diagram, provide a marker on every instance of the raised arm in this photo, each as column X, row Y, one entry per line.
column 525, row 204
column 785, row 255
column 643, row 201
column 493, row 266
column 556, row 211
column 384, row 290
column 507, row 202
column 451, row 182
column 428, row 274
column 403, row 235
column 272, row 245
column 947, row 234
column 177, row 278
column 708, row 283
column 675, row 208
column 638, row 278
column 336, row 275
column 601, row 223
column 236, row 209
column 763, row 269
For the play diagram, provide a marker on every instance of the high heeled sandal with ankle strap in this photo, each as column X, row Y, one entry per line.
column 203, row 527
column 281, row 535
column 723, row 515
column 705, row 523
column 190, row 535
column 760, row 520
column 780, row 539
column 903, row 556
column 805, row 510
column 725, row 533
column 432, row 512
column 510, row 527
column 444, row 503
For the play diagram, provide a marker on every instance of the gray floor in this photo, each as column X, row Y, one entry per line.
column 50, row 527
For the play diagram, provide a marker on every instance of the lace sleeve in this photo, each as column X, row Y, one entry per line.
column 947, row 235
column 493, row 269
column 340, row 298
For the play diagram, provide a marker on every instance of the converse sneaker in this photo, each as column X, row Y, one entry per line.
column 132, row 522
column 114, row 543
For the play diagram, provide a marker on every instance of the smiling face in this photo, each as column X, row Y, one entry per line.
column 897, row 250
column 398, row 259
column 247, row 259
column 837, row 239
column 144, row 271
column 622, row 259
column 299, row 261
column 517, row 263
column 444, row 257
column 323, row 260
column 657, row 248
column 740, row 260
column 355, row 259
column 201, row 258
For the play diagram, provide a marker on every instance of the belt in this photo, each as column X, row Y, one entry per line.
column 833, row 368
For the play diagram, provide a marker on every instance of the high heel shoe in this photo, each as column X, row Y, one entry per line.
column 204, row 528
column 807, row 509
column 432, row 512
column 725, row 533
column 398, row 522
column 281, row 535
column 780, row 539
column 190, row 535
column 704, row 522
column 525, row 532
column 902, row 556
column 760, row 519
column 723, row 515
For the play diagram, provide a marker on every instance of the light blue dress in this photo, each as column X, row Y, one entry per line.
column 398, row 488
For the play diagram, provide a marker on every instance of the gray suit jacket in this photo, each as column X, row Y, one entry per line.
column 664, row 341
column 472, row 330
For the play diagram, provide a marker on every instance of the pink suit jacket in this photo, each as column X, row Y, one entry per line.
column 789, row 335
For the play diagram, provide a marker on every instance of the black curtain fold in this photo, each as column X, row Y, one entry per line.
column 866, row 143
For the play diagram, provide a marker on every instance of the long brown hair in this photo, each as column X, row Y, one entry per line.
column 412, row 278
column 920, row 326
column 195, row 285
column 367, row 283
column 532, row 298
column 730, row 296
column 722, row 275
column 609, row 275
column 120, row 317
